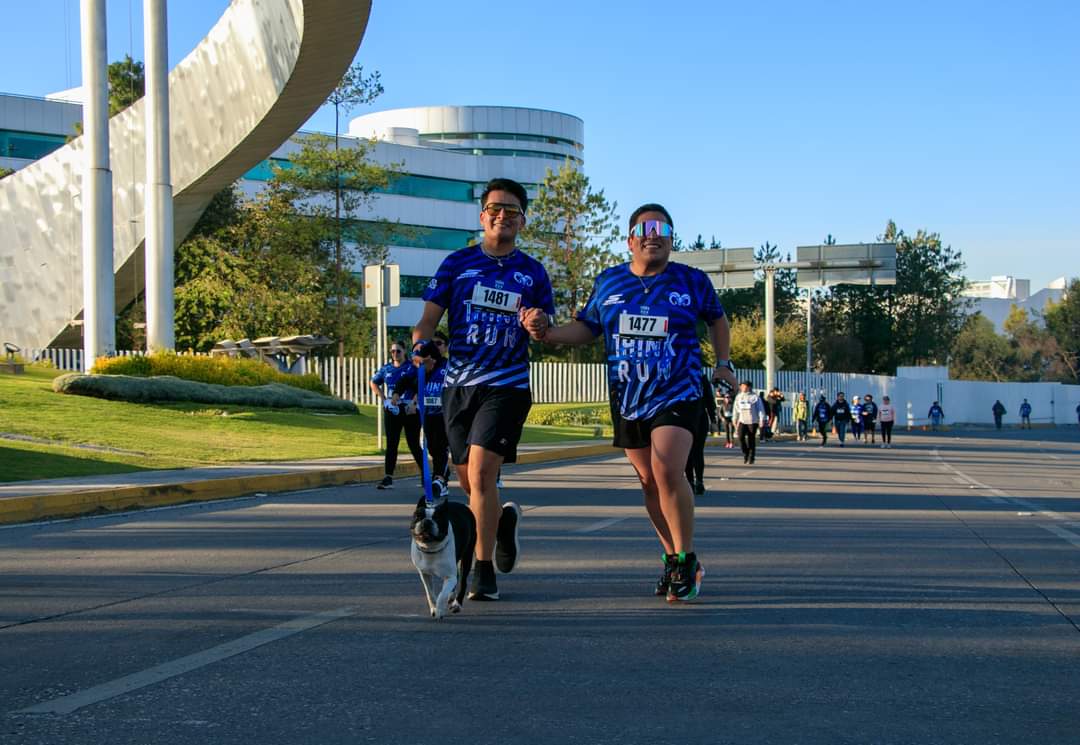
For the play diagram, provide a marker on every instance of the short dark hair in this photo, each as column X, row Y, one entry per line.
column 506, row 184
column 650, row 207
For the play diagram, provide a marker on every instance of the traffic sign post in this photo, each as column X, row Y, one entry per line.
column 382, row 290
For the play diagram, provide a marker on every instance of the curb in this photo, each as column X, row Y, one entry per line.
column 100, row 501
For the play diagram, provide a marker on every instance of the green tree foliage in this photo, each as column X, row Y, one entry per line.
column 5, row 172
column 1063, row 322
column 914, row 322
column 980, row 353
column 748, row 342
column 127, row 84
column 209, row 274
column 570, row 228
column 1027, row 352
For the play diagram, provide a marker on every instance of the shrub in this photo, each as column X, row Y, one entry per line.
column 564, row 417
column 168, row 388
column 215, row 370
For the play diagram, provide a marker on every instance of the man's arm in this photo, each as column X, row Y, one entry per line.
column 574, row 333
column 429, row 321
column 720, row 336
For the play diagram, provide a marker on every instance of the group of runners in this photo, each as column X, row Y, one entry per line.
column 475, row 397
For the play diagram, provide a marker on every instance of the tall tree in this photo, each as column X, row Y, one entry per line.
column 331, row 189
column 980, row 353
column 4, row 172
column 914, row 322
column 571, row 229
column 1063, row 322
column 354, row 89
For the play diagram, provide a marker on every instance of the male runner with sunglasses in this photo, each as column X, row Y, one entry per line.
column 486, row 395
column 648, row 310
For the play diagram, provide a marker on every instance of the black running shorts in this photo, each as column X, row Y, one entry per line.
column 631, row 434
column 489, row 416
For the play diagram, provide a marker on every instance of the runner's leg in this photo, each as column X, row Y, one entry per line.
column 394, row 423
column 641, row 460
column 670, row 446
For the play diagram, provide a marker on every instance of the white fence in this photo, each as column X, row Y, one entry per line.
column 559, row 382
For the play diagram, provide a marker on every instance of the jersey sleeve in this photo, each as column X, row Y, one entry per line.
column 590, row 314
column 379, row 376
column 440, row 287
column 710, row 302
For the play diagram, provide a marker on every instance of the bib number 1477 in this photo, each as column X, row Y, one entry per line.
column 653, row 327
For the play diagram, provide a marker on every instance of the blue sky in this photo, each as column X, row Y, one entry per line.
column 778, row 123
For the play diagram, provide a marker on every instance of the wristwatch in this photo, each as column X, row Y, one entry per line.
column 725, row 363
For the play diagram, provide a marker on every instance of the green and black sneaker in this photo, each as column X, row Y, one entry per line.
column 664, row 582
column 685, row 578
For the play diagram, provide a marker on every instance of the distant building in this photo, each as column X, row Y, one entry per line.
column 995, row 297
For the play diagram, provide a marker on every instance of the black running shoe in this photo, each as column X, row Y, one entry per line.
column 506, row 538
column 483, row 585
column 686, row 578
column 386, row 483
column 664, row 582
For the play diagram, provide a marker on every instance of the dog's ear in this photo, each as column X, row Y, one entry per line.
column 421, row 505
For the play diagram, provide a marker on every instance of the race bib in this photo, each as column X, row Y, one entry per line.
column 432, row 401
column 648, row 327
column 503, row 301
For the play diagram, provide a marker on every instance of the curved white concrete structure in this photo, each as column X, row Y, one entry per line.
column 262, row 70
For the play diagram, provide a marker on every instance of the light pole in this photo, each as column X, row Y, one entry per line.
column 99, row 289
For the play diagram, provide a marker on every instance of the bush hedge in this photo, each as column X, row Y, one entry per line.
column 169, row 388
column 564, row 417
column 215, row 370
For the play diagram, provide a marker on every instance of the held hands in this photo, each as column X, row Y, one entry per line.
column 535, row 322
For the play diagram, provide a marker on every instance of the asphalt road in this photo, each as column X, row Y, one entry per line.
column 924, row 594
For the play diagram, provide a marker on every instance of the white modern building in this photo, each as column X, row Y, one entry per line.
column 446, row 154
column 995, row 297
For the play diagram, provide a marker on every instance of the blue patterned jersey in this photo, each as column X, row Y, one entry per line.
column 433, row 385
column 650, row 332
column 482, row 295
column 392, row 375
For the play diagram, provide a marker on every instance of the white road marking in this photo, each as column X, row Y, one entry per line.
column 135, row 681
column 601, row 525
column 1001, row 496
column 959, row 480
column 1060, row 532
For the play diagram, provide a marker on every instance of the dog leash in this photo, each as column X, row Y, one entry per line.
column 425, row 468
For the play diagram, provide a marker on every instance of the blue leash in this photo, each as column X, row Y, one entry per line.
column 425, row 468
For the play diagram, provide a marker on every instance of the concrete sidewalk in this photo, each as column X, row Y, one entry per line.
column 24, row 501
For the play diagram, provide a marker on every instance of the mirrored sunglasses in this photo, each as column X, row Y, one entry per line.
column 494, row 208
column 651, row 228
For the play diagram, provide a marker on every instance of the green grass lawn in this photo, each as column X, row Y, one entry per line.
column 147, row 436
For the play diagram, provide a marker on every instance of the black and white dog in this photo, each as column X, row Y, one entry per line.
column 444, row 538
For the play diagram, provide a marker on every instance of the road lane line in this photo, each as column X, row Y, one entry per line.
column 601, row 525
column 159, row 673
column 1060, row 532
